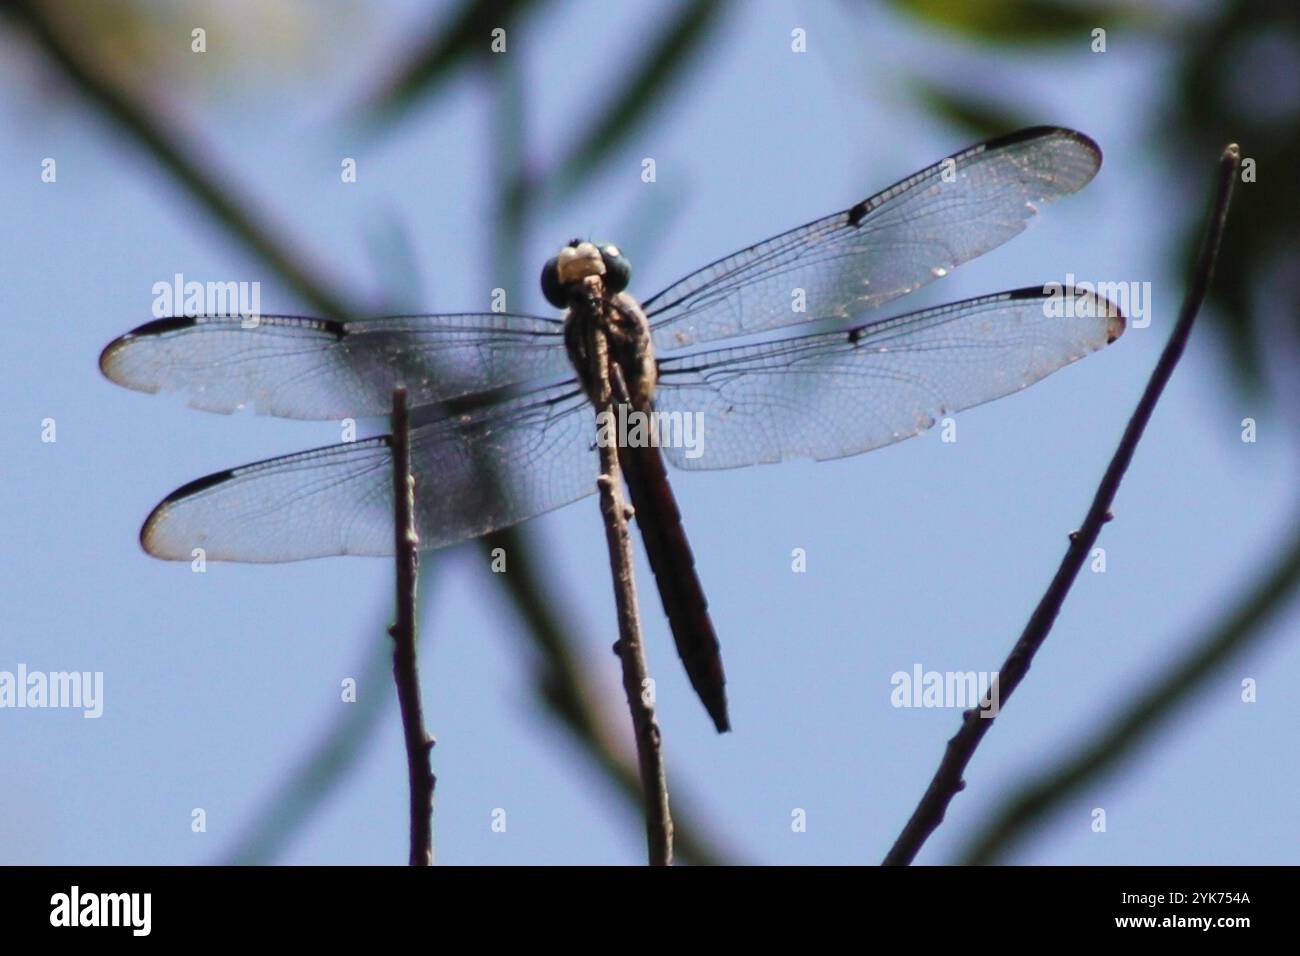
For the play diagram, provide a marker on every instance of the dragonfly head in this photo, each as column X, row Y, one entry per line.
column 566, row 274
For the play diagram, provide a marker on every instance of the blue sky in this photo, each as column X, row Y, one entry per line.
column 921, row 553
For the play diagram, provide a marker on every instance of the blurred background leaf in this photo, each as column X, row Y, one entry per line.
column 450, row 43
column 1024, row 21
column 1237, row 79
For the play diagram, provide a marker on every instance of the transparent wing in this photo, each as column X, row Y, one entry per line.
column 338, row 500
column 299, row 367
column 884, row 247
column 831, row 394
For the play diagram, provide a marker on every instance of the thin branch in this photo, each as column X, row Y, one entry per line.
column 568, row 694
column 630, row 650
column 947, row 781
column 1236, row 631
column 406, row 673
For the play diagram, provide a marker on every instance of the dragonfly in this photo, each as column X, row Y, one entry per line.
column 775, row 350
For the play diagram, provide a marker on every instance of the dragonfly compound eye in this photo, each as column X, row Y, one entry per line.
column 618, row 271
column 551, row 285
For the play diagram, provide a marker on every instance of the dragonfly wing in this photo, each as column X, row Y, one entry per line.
column 882, row 248
column 474, row 473
column 830, row 394
column 300, row 367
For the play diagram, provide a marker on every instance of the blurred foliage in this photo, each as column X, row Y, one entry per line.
column 626, row 107
column 1023, row 21
column 645, row 83
column 978, row 117
column 449, row 43
column 1236, row 79
column 319, row 772
column 149, row 41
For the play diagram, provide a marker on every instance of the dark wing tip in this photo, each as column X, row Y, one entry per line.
column 1117, row 323
column 1045, row 132
column 159, row 326
column 1102, row 306
column 149, row 530
column 197, row 485
column 1116, row 329
column 858, row 212
column 155, row 327
column 172, row 324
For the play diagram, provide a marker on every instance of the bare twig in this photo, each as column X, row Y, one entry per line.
column 1129, row 729
column 568, row 694
column 630, row 650
column 947, row 781
column 405, row 669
